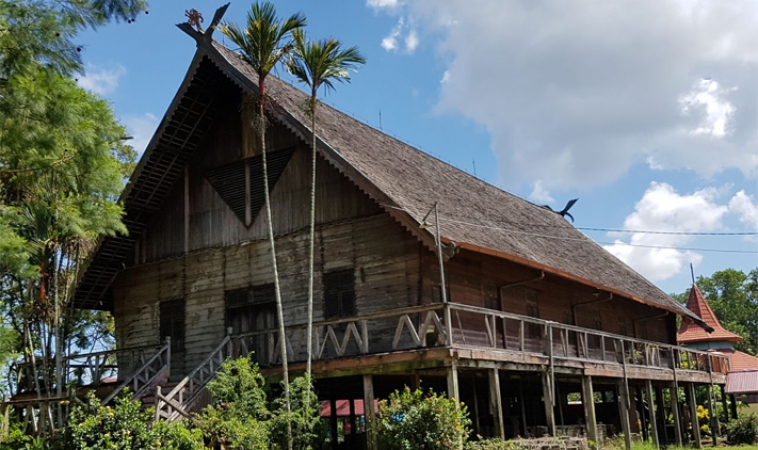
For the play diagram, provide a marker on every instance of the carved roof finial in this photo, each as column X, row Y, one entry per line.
column 194, row 18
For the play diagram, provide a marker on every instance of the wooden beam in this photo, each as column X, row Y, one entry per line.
column 452, row 382
column 547, row 394
column 651, row 407
column 660, row 408
column 588, row 403
column 674, row 389
column 368, row 408
column 496, row 402
column 623, row 403
column 691, row 400
column 725, row 404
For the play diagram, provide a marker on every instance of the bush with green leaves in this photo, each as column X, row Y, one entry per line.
column 239, row 416
column 412, row 420
column 303, row 417
column 743, row 430
column 124, row 426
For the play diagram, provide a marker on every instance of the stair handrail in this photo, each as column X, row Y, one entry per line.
column 134, row 377
column 194, row 387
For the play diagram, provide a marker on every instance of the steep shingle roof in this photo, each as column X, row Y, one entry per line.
column 473, row 214
column 690, row 332
column 404, row 180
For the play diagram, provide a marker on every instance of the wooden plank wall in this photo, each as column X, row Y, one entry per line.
column 212, row 223
column 383, row 255
column 473, row 279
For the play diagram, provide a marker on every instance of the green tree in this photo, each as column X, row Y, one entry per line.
column 238, row 418
column 733, row 296
column 318, row 64
column 263, row 43
column 303, row 417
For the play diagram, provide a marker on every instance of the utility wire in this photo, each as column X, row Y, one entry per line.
column 587, row 239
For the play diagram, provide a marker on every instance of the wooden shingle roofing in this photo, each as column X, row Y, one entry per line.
column 406, row 181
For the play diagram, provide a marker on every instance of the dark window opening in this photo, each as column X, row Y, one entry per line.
column 252, row 312
column 339, row 294
column 532, row 310
column 172, row 323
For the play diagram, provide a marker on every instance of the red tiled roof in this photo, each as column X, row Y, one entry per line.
column 742, row 381
column 739, row 360
column 692, row 332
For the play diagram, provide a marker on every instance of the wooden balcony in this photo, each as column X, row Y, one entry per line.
column 434, row 335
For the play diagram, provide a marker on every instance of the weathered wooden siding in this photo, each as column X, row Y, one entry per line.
column 474, row 279
column 383, row 255
column 212, row 223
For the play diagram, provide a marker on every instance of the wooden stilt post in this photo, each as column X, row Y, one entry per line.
column 675, row 411
column 714, row 420
column 651, row 408
column 623, row 399
column 547, row 393
column 452, row 382
column 522, row 405
column 693, row 415
column 368, row 408
column 725, row 403
column 660, row 408
column 334, row 423
column 588, row 402
column 640, row 404
column 734, row 406
column 496, row 402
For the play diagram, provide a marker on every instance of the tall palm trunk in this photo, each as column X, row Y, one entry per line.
column 312, row 234
column 277, row 290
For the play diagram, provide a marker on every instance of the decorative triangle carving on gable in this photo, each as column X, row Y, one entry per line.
column 230, row 182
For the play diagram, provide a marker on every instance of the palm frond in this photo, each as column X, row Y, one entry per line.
column 320, row 63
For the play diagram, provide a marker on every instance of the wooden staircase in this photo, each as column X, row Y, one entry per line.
column 190, row 394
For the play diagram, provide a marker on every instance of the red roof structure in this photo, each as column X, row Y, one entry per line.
column 690, row 332
column 742, row 381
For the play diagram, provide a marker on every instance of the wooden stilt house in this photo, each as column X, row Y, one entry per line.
column 537, row 328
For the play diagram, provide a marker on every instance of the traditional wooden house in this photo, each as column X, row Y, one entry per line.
column 537, row 328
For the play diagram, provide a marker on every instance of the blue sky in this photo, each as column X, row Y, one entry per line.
column 647, row 111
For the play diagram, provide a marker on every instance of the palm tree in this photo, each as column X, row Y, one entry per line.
column 265, row 42
column 317, row 64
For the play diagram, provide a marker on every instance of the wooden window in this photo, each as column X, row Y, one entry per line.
column 172, row 323
column 253, row 311
column 622, row 326
column 339, row 294
column 532, row 310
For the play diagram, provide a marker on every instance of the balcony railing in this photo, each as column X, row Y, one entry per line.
column 472, row 328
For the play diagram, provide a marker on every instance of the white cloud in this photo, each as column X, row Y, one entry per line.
column 540, row 194
column 708, row 97
column 141, row 128
column 590, row 88
column 101, row 80
column 663, row 209
column 411, row 41
column 389, row 43
column 744, row 206
column 382, row 4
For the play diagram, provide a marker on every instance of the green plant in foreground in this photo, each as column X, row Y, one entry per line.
column 412, row 420
column 743, row 430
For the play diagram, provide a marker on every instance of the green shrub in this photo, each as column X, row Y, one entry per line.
column 412, row 420
column 304, row 417
column 239, row 418
column 743, row 430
